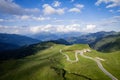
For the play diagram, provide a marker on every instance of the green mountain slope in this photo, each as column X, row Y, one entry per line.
column 89, row 38
column 24, row 51
column 15, row 41
column 51, row 64
column 108, row 44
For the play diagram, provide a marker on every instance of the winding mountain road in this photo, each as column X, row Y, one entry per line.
column 99, row 65
column 67, row 57
column 81, row 52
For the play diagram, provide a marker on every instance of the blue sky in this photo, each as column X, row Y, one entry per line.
column 56, row 16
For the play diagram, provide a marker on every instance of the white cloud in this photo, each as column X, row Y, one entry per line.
column 35, row 29
column 14, row 29
column 68, row 28
column 74, row 10
column 9, row 7
column 48, row 10
column 103, row 25
column 108, row 24
column 55, row 28
column 1, row 20
column 110, row 3
column 41, row 28
column 77, row 8
column 30, row 17
column 111, row 21
column 56, row 3
column 58, row 20
column 89, row 28
column 80, row 6
column 60, row 11
column 41, row 18
column 25, row 17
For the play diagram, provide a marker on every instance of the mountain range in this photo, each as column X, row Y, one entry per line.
column 14, row 41
column 61, row 59
column 107, row 44
column 20, row 46
column 89, row 38
column 46, row 36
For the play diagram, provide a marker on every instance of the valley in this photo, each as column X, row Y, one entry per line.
column 59, row 66
column 59, row 39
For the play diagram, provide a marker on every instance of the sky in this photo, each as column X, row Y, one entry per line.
column 59, row 16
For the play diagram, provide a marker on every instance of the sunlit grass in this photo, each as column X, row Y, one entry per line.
column 41, row 65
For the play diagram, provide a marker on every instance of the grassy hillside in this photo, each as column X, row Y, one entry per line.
column 108, row 44
column 89, row 38
column 111, row 63
column 24, row 51
column 50, row 64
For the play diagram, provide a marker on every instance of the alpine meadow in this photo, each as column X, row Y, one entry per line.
column 59, row 39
